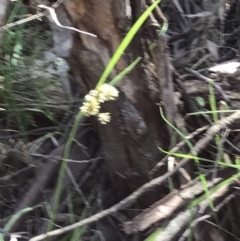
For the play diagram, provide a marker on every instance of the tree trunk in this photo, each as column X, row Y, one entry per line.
column 130, row 141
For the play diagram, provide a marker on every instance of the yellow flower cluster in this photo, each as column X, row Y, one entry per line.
column 91, row 104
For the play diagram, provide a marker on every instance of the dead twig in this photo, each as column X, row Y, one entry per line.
column 210, row 81
column 178, row 224
column 31, row 18
column 165, row 207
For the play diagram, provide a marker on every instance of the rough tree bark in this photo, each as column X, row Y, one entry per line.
column 130, row 141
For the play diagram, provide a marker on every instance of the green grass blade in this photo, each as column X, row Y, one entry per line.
column 180, row 134
column 121, row 75
column 63, row 169
column 181, row 155
column 211, row 112
column 212, row 101
column 213, row 106
column 15, row 217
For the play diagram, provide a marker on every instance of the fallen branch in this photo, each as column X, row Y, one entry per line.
column 165, row 207
column 181, row 222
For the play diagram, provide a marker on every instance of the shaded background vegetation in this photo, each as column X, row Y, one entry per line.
column 45, row 71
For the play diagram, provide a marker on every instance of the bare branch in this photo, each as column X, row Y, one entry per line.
column 31, row 18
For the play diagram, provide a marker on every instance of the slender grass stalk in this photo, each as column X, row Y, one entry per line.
column 121, row 75
column 211, row 112
column 213, row 106
column 14, row 218
column 212, row 101
column 192, row 157
column 63, row 168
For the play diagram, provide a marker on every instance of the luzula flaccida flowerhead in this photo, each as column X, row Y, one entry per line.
column 91, row 105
